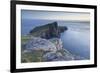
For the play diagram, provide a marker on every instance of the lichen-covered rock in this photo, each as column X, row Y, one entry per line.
column 49, row 56
column 58, row 56
column 47, row 50
column 57, row 42
column 40, row 44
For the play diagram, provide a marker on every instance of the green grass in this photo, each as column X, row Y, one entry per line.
column 34, row 56
column 25, row 39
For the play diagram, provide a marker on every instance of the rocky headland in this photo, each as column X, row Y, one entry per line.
column 43, row 44
column 48, row 31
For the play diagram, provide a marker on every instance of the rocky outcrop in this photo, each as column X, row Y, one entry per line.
column 48, row 31
column 46, row 50
column 40, row 44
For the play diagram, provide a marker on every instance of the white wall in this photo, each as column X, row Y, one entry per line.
column 5, row 37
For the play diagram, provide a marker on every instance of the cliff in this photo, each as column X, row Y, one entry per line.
column 48, row 31
column 43, row 50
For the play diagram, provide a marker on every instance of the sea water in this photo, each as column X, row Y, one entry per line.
column 77, row 39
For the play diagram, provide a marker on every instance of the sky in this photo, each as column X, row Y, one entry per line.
column 53, row 15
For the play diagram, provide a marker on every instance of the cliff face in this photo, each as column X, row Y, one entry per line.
column 40, row 44
column 48, row 31
column 43, row 50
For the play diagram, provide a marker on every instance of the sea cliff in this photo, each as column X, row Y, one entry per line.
column 48, row 31
column 43, row 50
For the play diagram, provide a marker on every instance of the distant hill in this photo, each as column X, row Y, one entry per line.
column 48, row 30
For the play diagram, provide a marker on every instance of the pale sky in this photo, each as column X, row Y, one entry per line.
column 52, row 15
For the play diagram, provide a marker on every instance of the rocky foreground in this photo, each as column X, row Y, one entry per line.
column 42, row 50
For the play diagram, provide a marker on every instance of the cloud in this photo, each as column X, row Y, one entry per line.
column 53, row 15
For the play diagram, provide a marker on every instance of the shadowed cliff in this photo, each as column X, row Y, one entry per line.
column 48, row 31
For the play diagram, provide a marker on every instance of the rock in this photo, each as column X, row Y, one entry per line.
column 40, row 44
column 49, row 56
column 48, row 31
column 58, row 56
column 62, row 28
column 57, row 42
column 49, row 50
